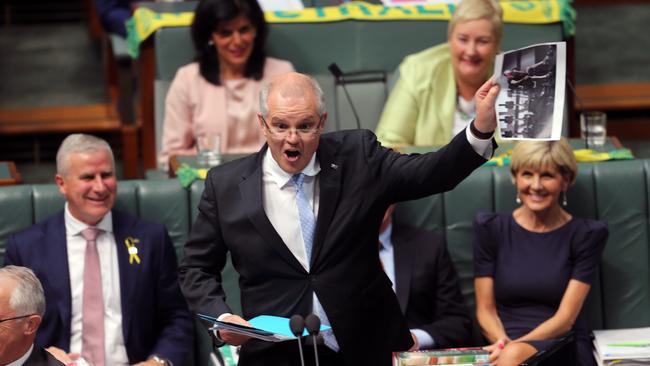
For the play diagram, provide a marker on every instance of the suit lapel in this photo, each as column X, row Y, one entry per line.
column 404, row 257
column 330, row 188
column 251, row 194
column 57, row 257
column 123, row 228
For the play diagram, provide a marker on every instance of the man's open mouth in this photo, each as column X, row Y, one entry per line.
column 292, row 155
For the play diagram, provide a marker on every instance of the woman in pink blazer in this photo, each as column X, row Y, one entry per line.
column 218, row 93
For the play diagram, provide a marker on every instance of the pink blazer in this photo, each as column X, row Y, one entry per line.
column 194, row 107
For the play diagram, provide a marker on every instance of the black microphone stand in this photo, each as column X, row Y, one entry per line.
column 312, row 323
column 338, row 75
column 297, row 325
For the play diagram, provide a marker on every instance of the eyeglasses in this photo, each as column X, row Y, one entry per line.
column 304, row 130
column 15, row 317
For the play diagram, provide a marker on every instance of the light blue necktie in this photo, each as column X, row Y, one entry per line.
column 307, row 219
column 308, row 227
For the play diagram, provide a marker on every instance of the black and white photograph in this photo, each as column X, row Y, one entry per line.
column 531, row 99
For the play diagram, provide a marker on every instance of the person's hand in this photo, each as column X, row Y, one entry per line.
column 68, row 359
column 416, row 345
column 495, row 349
column 486, row 96
column 231, row 337
column 149, row 362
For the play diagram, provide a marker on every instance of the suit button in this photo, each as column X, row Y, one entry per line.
column 312, row 278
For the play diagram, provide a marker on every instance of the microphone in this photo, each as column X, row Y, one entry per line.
column 338, row 75
column 297, row 325
column 313, row 327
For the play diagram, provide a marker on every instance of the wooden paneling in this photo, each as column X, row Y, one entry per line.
column 622, row 96
column 78, row 119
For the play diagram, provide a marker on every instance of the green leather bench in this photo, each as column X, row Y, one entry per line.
column 616, row 192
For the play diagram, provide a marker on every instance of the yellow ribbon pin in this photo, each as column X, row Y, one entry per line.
column 133, row 250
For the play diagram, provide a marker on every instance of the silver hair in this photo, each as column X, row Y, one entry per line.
column 315, row 87
column 79, row 143
column 28, row 296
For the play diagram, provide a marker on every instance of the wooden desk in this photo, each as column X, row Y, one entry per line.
column 9, row 174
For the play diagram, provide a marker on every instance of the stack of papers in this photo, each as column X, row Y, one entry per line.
column 265, row 327
column 622, row 347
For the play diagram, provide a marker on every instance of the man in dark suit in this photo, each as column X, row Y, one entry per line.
column 22, row 305
column 426, row 284
column 300, row 219
column 109, row 278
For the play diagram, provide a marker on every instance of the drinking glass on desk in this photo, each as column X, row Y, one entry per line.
column 593, row 128
column 208, row 150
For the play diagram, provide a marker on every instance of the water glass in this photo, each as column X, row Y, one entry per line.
column 208, row 150
column 593, row 128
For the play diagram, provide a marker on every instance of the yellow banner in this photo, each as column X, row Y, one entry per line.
column 513, row 12
column 145, row 21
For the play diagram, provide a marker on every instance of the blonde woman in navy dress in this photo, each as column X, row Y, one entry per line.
column 534, row 267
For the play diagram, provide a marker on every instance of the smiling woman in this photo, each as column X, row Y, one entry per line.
column 433, row 99
column 534, row 267
column 217, row 94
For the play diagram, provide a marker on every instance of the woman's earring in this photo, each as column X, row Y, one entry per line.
column 564, row 201
column 210, row 43
column 518, row 200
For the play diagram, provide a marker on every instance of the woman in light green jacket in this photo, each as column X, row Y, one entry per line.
column 433, row 99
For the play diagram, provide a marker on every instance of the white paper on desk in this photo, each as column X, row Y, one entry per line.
column 602, row 338
column 280, row 5
column 530, row 103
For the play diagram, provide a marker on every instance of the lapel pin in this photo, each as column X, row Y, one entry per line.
column 334, row 166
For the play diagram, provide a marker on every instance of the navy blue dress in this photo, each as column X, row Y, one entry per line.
column 532, row 270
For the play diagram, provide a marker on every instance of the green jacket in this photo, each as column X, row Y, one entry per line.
column 420, row 109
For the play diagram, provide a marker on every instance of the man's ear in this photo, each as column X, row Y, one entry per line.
column 60, row 182
column 33, row 322
column 260, row 121
column 324, row 119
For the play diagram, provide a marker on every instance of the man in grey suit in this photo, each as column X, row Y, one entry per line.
column 22, row 304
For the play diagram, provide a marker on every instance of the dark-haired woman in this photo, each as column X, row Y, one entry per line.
column 218, row 94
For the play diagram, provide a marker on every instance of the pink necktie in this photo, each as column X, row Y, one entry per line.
column 92, row 333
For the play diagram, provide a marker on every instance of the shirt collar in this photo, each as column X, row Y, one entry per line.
column 73, row 226
column 282, row 178
column 21, row 361
column 384, row 237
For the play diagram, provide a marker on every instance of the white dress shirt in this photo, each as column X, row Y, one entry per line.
column 280, row 206
column 464, row 114
column 21, row 361
column 114, row 347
